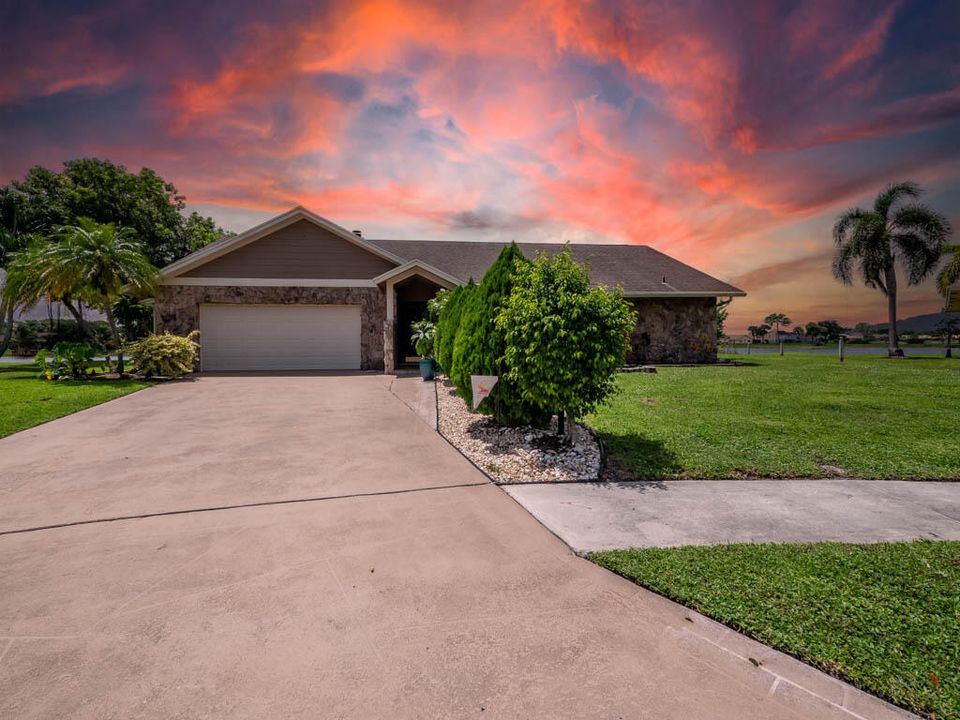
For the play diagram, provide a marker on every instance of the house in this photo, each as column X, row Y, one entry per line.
column 299, row 292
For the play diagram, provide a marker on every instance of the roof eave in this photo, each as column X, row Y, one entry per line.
column 682, row 293
column 417, row 265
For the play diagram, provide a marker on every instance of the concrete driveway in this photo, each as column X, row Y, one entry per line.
column 414, row 590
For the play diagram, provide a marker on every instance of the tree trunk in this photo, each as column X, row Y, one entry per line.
column 7, row 312
column 561, row 424
column 893, row 342
column 108, row 311
column 81, row 323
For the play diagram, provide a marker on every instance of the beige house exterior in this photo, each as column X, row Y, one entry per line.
column 299, row 292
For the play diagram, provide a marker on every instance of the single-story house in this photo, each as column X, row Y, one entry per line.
column 301, row 293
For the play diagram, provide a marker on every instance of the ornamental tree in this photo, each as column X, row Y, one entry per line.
column 480, row 345
column 564, row 339
column 447, row 323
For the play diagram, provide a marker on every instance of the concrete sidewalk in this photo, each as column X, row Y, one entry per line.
column 606, row 516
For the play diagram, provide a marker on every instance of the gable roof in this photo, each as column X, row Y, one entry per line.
column 639, row 269
column 228, row 244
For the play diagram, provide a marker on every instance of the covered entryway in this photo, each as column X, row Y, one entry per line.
column 236, row 337
column 412, row 295
column 408, row 288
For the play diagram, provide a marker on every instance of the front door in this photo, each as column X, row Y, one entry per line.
column 408, row 311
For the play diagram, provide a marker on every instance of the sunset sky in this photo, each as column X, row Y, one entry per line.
column 727, row 134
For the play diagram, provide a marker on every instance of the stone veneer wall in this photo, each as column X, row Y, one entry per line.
column 177, row 309
column 673, row 330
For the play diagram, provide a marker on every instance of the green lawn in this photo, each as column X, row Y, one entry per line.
column 885, row 617
column 797, row 415
column 26, row 401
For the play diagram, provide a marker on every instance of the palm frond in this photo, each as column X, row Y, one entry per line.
column 917, row 254
column 933, row 227
column 949, row 275
column 891, row 194
column 845, row 222
column 842, row 265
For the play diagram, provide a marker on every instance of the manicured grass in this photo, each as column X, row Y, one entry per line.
column 884, row 617
column 792, row 416
column 26, row 401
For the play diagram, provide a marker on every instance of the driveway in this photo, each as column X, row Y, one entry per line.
column 309, row 547
column 608, row 516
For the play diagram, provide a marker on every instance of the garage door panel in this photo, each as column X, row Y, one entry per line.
column 279, row 337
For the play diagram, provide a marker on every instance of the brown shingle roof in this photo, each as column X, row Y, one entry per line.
column 638, row 269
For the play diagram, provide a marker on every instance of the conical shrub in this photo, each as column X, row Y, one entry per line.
column 479, row 346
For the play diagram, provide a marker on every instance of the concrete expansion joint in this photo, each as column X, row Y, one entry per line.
column 240, row 506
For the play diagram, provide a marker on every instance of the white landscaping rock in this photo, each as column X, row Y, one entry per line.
column 511, row 455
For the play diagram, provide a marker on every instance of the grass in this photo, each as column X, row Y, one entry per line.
column 884, row 617
column 26, row 401
column 792, row 416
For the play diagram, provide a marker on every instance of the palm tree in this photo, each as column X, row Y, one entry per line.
column 877, row 239
column 777, row 319
column 950, row 273
column 13, row 239
column 100, row 261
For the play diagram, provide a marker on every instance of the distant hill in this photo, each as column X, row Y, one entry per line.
column 918, row 323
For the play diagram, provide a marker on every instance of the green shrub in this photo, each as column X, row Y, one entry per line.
column 32, row 335
column 26, row 339
column 70, row 360
column 448, row 322
column 563, row 339
column 479, row 346
column 164, row 355
column 134, row 317
column 422, row 335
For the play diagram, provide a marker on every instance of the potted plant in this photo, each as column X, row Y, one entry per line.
column 422, row 337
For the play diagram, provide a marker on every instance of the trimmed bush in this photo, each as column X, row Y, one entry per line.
column 479, row 346
column 164, row 355
column 563, row 340
column 448, row 322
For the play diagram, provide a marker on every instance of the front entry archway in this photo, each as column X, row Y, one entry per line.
column 408, row 288
column 412, row 295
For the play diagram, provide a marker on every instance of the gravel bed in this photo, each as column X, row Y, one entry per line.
column 516, row 455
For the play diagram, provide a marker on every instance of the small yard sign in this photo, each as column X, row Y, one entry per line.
column 482, row 386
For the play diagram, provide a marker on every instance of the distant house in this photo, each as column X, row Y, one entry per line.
column 299, row 292
column 47, row 310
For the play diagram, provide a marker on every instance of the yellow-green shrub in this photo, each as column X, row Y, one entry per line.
column 164, row 355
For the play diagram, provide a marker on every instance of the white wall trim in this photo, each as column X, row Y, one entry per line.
column 418, row 267
column 272, row 282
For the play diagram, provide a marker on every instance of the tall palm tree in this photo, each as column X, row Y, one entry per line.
column 100, row 261
column 891, row 232
column 778, row 319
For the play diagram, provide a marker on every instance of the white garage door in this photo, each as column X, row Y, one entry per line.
column 279, row 337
